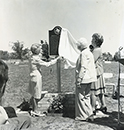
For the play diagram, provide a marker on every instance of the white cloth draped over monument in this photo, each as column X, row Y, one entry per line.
column 68, row 48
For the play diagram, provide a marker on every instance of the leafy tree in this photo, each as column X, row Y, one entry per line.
column 25, row 53
column 107, row 56
column 18, row 49
column 12, row 55
column 45, row 52
column 116, row 56
column 4, row 55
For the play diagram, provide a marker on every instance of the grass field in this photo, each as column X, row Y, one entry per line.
column 17, row 85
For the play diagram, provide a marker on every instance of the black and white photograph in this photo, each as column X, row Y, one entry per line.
column 61, row 64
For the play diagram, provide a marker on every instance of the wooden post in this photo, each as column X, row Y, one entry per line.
column 119, row 97
column 59, row 75
column 119, row 91
column 119, row 105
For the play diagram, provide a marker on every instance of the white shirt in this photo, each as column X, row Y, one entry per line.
column 85, row 67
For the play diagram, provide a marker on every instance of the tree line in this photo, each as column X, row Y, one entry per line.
column 22, row 53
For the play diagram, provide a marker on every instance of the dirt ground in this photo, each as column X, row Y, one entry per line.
column 16, row 90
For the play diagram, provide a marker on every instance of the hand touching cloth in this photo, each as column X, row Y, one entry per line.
column 68, row 48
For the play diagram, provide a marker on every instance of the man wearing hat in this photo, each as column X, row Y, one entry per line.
column 85, row 76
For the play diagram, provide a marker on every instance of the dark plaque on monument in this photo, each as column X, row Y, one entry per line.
column 54, row 37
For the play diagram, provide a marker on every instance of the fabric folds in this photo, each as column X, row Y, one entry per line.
column 68, row 48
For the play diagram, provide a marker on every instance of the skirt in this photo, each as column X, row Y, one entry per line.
column 83, row 107
column 35, row 84
column 98, row 87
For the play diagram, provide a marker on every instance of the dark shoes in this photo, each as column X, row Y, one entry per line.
column 90, row 118
column 103, row 109
column 94, row 112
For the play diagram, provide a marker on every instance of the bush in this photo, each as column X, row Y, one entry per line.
column 57, row 104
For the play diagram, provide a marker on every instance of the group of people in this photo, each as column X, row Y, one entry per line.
column 89, row 78
column 90, row 82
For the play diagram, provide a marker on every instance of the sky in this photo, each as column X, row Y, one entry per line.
column 29, row 21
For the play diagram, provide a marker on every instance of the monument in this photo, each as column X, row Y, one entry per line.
column 54, row 37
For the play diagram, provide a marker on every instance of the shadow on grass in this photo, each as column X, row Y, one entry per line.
column 111, row 121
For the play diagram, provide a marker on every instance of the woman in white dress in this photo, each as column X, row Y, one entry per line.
column 35, row 84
